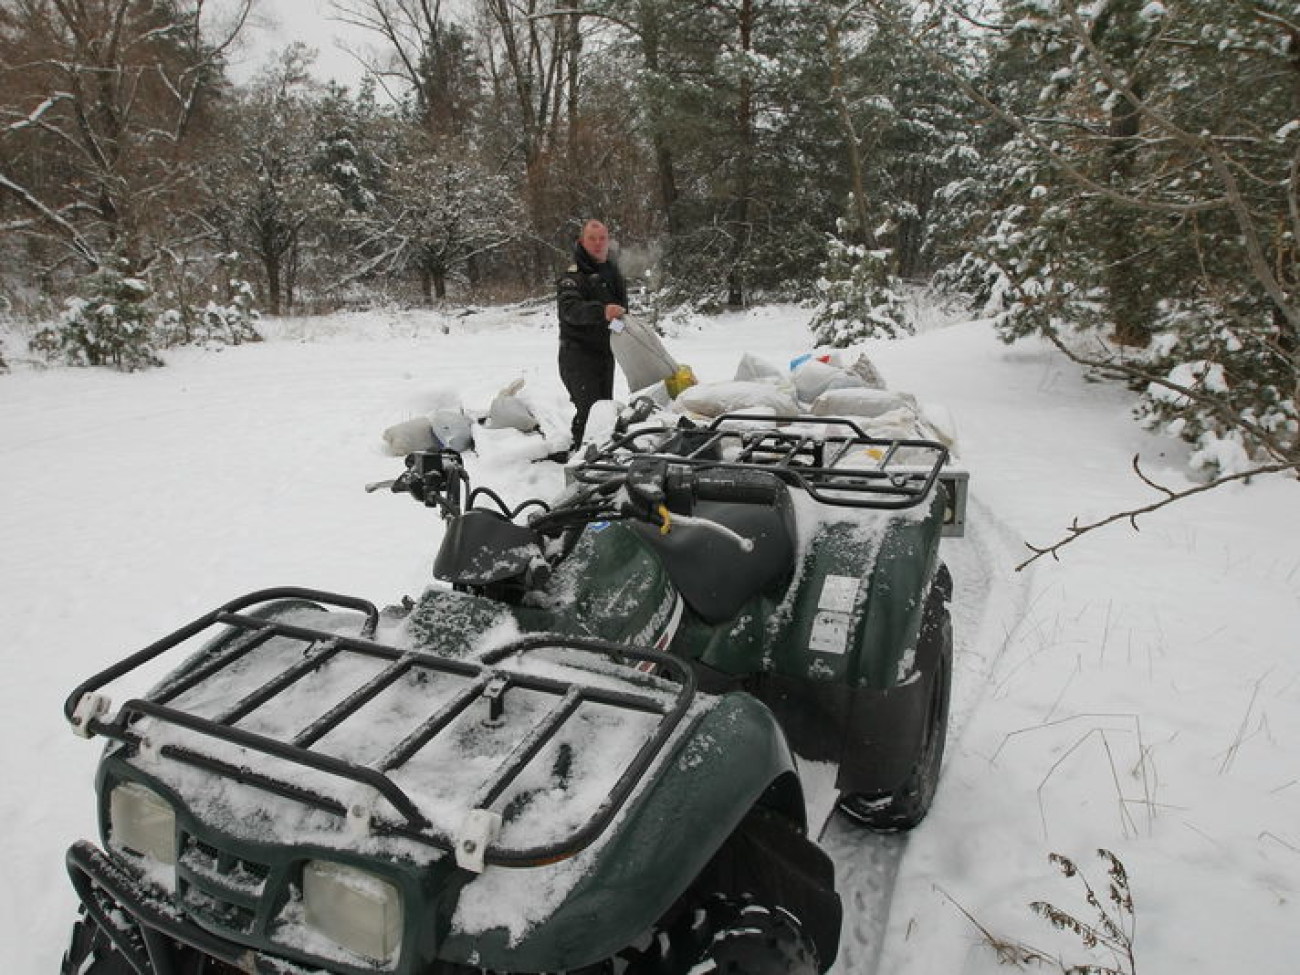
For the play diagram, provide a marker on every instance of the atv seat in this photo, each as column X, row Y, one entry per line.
column 715, row 577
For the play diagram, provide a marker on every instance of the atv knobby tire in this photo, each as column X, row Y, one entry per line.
column 91, row 952
column 907, row 806
column 734, row 936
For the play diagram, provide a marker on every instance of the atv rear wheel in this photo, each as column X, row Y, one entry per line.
column 907, row 806
column 735, row 936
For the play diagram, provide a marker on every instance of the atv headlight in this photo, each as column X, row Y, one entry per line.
column 140, row 821
column 353, row 908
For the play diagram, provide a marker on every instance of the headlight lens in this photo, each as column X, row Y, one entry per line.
column 141, row 822
column 353, row 908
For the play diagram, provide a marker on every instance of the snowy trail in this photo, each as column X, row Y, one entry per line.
column 986, row 599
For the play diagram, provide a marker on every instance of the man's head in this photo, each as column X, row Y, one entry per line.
column 595, row 240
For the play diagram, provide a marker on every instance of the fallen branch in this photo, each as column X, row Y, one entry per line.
column 1131, row 515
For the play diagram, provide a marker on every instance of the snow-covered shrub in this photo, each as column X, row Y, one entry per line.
column 982, row 285
column 216, row 323
column 111, row 326
column 860, row 299
column 1228, row 387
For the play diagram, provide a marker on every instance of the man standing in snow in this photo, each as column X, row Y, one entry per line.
column 592, row 300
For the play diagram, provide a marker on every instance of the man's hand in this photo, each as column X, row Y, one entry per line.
column 614, row 311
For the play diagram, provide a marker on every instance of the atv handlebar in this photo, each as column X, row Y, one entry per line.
column 660, row 491
column 658, row 480
column 657, row 489
column 736, row 486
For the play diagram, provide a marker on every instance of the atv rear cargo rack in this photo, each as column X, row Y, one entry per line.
column 485, row 678
column 830, row 458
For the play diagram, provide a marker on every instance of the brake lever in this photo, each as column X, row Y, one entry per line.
column 670, row 519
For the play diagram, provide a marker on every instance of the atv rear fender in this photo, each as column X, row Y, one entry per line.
column 872, row 735
column 857, row 616
column 851, row 673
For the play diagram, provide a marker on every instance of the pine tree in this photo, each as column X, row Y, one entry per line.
column 860, row 298
column 1149, row 198
column 112, row 325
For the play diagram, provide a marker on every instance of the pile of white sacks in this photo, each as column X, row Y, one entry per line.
column 812, row 384
column 451, row 427
column 817, row 385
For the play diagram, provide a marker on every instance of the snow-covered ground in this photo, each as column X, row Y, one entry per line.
column 1142, row 695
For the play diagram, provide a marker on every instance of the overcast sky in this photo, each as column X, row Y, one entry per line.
column 275, row 24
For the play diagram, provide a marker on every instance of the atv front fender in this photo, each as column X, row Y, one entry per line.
column 733, row 758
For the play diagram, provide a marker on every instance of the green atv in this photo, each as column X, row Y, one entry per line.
column 577, row 754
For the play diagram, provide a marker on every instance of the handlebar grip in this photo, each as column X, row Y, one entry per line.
column 741, row 487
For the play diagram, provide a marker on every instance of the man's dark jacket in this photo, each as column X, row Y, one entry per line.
column 583, row 291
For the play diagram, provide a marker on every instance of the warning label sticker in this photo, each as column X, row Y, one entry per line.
column 834, row 620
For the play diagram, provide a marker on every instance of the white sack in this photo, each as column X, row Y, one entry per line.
column 641, row 354
column 866, row 370
column 899, row 424
column 409, row 437
column 508, row 410
column 752, row 367
column 444, row 428
column 860, row 401
column 812, row 378
column 600, row 422
column 713, row 399
column 940, row 424
column 453, row 429
column 656, row 393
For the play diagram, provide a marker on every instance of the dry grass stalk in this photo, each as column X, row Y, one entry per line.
column 1112, row 928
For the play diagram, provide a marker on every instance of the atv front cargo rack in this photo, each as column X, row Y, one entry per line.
column 830, row 458
column 484, row 682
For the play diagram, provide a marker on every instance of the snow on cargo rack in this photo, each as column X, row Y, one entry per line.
column 468, row 753
column 830, row 458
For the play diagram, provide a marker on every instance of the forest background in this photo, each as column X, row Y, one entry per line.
column 1120, row 176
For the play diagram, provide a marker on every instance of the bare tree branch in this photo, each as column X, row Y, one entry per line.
column 78, row 243
column 1077, row 531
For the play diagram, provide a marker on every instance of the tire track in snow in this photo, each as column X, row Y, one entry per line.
column 989, row 602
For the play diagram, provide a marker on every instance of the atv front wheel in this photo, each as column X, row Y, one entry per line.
column 91, row 951
column 738, row 936
column 906, row 807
